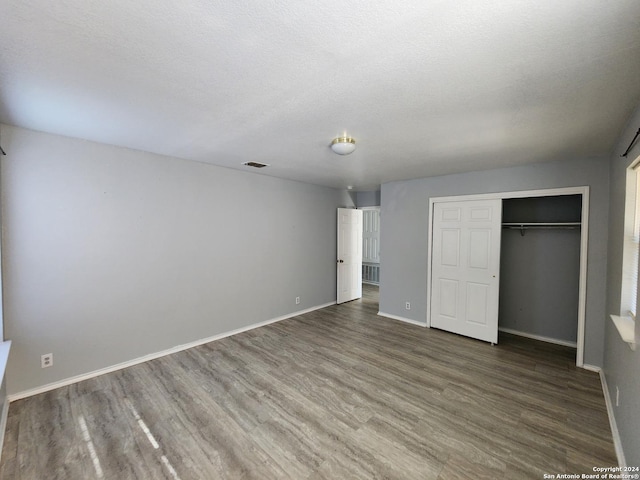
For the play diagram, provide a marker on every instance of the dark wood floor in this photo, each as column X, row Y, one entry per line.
column 339, row 393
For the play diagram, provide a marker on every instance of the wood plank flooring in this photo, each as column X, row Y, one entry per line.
column 338, row 393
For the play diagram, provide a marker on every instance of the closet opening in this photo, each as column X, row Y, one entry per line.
column 540, row 268
column 539, row 231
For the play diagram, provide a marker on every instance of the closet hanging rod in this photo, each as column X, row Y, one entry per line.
column 541, row 225
column 626, row 152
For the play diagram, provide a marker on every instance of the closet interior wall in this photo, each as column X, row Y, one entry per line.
column 540, row 267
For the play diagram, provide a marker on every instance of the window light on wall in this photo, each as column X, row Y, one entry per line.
column 631, row 247
column 626, row 321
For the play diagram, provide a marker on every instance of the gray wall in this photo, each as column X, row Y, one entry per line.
column 404, row 232
column 621, row 365
column 111, row 254
column 540, row 270
column 2, row 336
column 539, row 283
column 368, row 199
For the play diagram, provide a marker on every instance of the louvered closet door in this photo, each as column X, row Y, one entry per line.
column 466, row 268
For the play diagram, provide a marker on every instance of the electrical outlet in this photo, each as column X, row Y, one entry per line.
column 297, row 300
column 617, row 396
column 407, row 306
column 46, row 360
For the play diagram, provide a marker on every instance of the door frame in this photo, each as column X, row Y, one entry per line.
column 584, row 237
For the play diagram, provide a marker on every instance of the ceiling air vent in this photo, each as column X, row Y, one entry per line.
column 255, row 164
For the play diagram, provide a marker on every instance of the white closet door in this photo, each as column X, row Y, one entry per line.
column 466, row 268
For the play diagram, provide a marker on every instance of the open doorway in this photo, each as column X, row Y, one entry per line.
column 370, row 254
column 540, row 268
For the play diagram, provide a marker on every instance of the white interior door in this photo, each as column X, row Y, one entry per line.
column 371, row 234
column 349, row 254
column 465, row 275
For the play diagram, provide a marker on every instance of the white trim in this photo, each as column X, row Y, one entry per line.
column 153, row 356
column 615, row 433
column 429, row 255
column 402, row 319
column 626, row 327
column 584, row 238
column 556, row 341
column 544, row 192
column 592, row 368
column 4, row 415
column 582, row 286
column 3, row 423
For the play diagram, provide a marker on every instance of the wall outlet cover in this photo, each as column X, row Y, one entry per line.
column 46, row 360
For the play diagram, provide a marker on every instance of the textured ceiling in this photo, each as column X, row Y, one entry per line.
column 426, row 87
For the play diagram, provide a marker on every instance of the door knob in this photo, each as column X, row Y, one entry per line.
column 340, row 261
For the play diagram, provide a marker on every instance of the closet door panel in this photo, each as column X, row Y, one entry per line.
column 465, row 268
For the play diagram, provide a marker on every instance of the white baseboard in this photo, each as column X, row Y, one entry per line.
column 617, row 442
column 153, row 356
column 565, row 343
column 402, row 319
column 3, row 423
column 4, row 415
column 591, row 368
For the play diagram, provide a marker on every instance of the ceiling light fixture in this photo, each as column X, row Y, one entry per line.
column 343, row 145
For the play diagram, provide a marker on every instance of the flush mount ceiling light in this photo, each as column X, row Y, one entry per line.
column 343, row 145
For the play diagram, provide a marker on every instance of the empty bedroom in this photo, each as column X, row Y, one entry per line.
column 292, row 240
